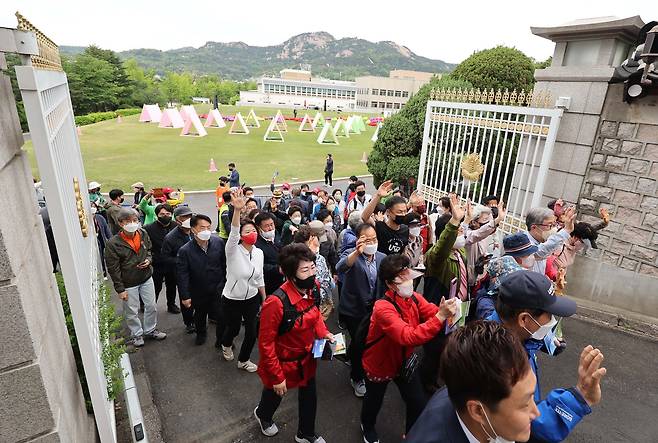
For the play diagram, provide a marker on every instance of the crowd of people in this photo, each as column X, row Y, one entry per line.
column 432, row 301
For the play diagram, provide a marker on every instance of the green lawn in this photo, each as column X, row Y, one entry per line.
column 118, row 155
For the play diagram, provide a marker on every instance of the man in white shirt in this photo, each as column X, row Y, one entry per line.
column 543, row 233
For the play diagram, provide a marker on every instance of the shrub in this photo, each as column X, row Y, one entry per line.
column 498, row 68
column 95, row 117
column 128, row 111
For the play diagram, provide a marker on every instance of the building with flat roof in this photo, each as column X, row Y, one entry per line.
column 389, row 94
column 298, row 89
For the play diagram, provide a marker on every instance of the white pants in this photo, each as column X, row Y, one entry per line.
column 131, row 309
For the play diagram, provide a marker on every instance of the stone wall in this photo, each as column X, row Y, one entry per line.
column 39, row 385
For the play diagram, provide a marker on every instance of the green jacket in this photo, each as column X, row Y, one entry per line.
column 121, row 261
column 148, row 209
column 441, row 265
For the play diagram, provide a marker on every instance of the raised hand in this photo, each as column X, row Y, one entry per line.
column 360, row 244
column 385, row 188
column 603, row 212
column 237, row 199
column 569, row 219
column 447, row 308
column 456, row 208
column 590, row 373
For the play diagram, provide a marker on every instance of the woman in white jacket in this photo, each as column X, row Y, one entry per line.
column 245, row 285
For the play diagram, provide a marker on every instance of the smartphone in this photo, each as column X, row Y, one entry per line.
column 453, row 288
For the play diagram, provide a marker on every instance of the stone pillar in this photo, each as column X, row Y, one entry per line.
column 39, row 385
column 606, row 156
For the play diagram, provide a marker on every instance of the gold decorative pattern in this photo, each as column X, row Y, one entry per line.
column 472, row 167
column 489, row 123
column 48, row 57
column 82, row 213
column 533, row 99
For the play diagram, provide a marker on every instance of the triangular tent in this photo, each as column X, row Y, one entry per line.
column 340, row 129
column 252, row 121
column 192, row 120
column 280, row 121
column 150, row 113
column 238, row 127
column 214, row 119
column 183, row 114
column 360, row 124
column 376, row 134
column 327, row 136
column 306, row 125
column 171, row 118
column 273, row 133
column 351, row 126
column 318, row 120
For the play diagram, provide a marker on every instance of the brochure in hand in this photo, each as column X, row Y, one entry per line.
column 323, row 348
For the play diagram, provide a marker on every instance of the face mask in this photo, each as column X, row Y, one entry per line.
column 304, row 193
column 306, row 283
column 329, row 226
column 296, row 220
column 460, row 242
column 250, row 238
column 540, row 333
column 494, row 212
column 131, row 227
column 204, row 235
column 399, row 219
column 268, row 235
column 370, row 249
column 528, row 262
column 165, row 219
column 361, row 193
column 94, row 210
column 546, row 234
column 186, row 224
column 495, row 438
column 286, row 193
column 331, row 208
column 421, row 209
column 405, row 289
column 121, row 200
column 414, row 231
column 314, row 197
column 338, row 197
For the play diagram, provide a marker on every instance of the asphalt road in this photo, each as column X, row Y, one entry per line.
column 202, row 398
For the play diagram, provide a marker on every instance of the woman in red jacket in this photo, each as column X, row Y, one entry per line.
column 400, row 321
column 290, row 322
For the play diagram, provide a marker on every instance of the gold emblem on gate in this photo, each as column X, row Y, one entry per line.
column 472, row 167
column 82, row 213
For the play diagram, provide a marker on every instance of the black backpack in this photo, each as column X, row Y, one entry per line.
column 290, row 313
column 358, row 345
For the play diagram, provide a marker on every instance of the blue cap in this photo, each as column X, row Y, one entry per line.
column 518, row 245
column 532, row 290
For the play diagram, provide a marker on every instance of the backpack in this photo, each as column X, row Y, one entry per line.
column 358, row 344
column 290, row 313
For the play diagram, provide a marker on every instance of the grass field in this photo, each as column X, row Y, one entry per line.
column 118, row 155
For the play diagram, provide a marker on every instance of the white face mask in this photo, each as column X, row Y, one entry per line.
column 331, row 208
column 405, row 289
column 543, row 330
column 204, row 235
column 460, row 242
column 186, row 224
column 495, row 438
column 268, row 235
column 414, row 231
column 370, row 249
column 314, row 197
column 546, row 234
column 94, row 210
column 528, row 262
column 131, row 227
column 296, row 220
column 329, row 225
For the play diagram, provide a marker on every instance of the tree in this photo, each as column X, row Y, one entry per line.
column 143, row 89
column 396, row 153
column 92, row 84
column 119, row 75
column 498, row 68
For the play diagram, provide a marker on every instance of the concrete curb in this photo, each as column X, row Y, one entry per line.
column 619, row 319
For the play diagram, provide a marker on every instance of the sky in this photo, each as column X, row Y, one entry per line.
column 449, row 31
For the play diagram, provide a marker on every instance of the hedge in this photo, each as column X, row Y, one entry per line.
column 95, row 117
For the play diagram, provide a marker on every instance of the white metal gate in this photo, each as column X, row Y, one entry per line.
column 509, row 137
column 47, row 101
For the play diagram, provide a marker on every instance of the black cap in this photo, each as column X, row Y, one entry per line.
column 182, row 210
column 532, row 290
column 412, row 218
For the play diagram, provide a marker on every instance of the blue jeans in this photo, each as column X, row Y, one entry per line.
column 131, row 309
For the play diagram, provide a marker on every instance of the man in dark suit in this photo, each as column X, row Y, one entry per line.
column 489, row 394
column 269, row 244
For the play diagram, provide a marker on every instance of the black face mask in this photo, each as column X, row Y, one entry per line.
column 121, row 200
column 361, row 193
column 306, row 283
column 494, row 212
column 399, row 219
column 165, row 219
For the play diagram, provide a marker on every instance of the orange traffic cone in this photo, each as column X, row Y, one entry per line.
column 213, row 166
column 364, row 159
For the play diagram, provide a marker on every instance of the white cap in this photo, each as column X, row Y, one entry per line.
column 93, row 185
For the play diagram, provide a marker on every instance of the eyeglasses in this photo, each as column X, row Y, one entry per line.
column 550, row 226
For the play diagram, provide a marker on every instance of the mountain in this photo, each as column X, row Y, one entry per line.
column 345, row 58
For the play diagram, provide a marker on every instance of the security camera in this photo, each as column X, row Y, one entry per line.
column 638, row 72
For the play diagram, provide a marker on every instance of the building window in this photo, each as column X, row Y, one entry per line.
column 375, row 91
column 390, row 93
column 373, row 104
column 405, row 93
column 398, row 93
column 382, row 105
column 389, row 105
column 396, row 105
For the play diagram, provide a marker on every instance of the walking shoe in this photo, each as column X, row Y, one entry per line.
column 369, row 435
column 248, row 366
column 156, row 335
column 228, row 353
column 200, row 339
column 309, row 438
column 359, row 387
column 190, row 329
column 173, row 309
column 138, row 342
column 269, row 429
